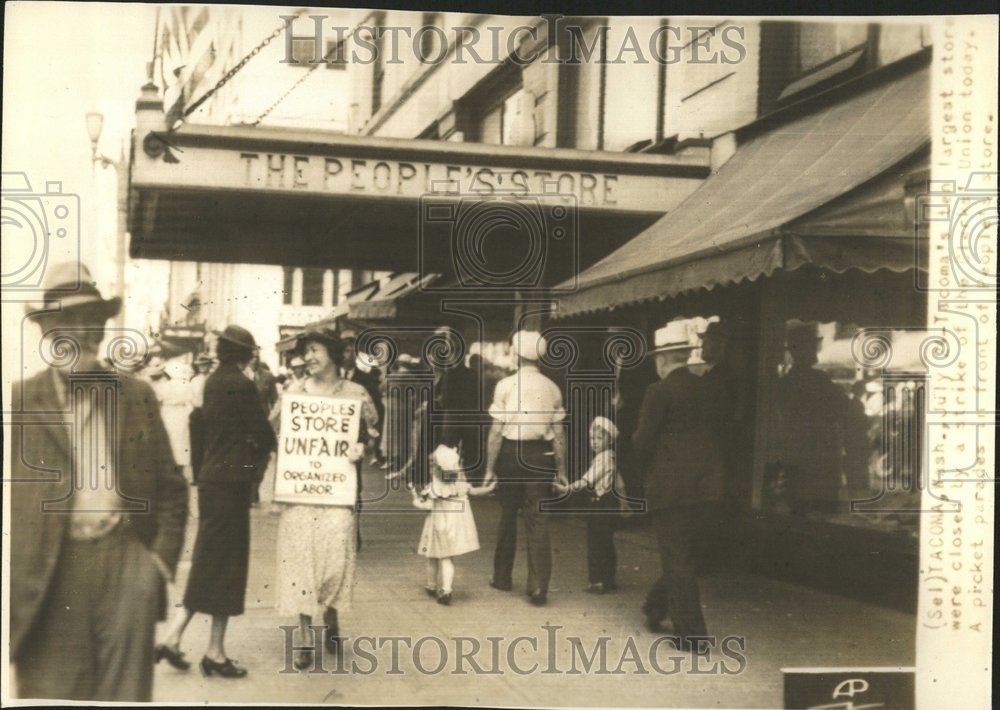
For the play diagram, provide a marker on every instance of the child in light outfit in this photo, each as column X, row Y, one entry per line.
column 450, row 529
column 606, row 488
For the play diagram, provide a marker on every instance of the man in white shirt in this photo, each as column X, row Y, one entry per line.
column 526, row 454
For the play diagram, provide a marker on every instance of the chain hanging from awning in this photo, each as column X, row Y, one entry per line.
column 234, row 71
column 298, row 82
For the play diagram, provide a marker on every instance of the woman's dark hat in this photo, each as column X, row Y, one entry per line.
column 70, row 285
column 237, row 336
column 320, row 334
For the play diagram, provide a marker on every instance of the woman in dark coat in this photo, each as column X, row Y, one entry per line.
column 237, row 437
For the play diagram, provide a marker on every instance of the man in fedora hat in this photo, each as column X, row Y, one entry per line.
column 98, row 511
column 683, row 480
column 814, row 429
column 525, row 455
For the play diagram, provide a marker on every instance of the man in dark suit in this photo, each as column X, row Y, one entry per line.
column 361, row 370
column 815, row 423
column 684, row 481
column 98, row 511
column 724, row 397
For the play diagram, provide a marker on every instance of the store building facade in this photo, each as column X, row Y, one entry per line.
column 761, row 227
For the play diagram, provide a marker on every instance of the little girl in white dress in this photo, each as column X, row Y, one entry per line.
column 450, row 528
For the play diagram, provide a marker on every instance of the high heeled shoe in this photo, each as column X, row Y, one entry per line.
column 227, row 669
column 174, row 658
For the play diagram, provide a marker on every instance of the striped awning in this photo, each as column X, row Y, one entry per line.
column 826, row 187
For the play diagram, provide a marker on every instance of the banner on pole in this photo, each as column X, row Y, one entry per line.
column 314, row 443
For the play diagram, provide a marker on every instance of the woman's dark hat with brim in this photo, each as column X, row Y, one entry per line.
column 237, row 336
column 320, row 334
column 70, row 285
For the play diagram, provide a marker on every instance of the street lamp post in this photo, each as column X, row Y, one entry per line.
column 95, row 126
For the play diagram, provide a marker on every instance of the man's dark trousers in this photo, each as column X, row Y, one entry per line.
column 675, row 593
column 525, row 471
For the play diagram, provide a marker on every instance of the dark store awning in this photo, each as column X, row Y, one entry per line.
column 826, row 188
column 388, row 300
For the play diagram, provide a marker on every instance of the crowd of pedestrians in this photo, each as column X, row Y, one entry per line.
column 87, row 588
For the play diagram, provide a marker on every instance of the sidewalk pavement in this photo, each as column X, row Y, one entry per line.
column 783, row 626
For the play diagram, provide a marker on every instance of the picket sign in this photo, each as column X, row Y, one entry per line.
column 316, row 436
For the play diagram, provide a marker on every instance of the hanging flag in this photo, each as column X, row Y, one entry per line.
column 197, row 45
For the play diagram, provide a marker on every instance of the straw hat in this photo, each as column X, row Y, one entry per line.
column 672, row 336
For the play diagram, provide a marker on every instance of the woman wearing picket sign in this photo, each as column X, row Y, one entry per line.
column 317, row 544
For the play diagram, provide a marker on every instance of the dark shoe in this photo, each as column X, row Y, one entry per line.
column 431, row 592
column 502, row 587
column 174, row 658
column 444, row 597
column 596, row 588
column 228, row 669
column 538, row 597
column 331, row 637
column 302, row 660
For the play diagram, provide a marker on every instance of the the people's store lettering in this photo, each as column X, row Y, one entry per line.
column 388, row 177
